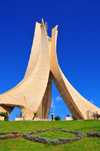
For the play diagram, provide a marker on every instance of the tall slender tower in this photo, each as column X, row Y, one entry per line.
column 33, row 93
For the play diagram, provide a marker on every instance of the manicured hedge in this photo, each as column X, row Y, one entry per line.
column 4, row 114
column 7, row 135
column 93, row 134
column 39, row 139
column 57, row 141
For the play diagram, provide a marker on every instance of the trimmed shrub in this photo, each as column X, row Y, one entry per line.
column 74, row 118
column 5, row 114
column 57, row 118
column 12, row 134
column 93, row 134
column 58, row 141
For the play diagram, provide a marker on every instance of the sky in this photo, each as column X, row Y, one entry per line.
column 78, row 45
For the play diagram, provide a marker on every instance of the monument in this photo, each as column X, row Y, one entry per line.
column 33, row 93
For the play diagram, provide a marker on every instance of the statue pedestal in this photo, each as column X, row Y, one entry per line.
column 69, row 118
column 19, row 119
column 1, row 118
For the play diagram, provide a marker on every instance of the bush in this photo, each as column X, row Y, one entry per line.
column 57, row 118
column 74, row 118
column 5, row 114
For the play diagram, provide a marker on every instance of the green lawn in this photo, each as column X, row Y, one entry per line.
column 53, row 134
column 19, row 144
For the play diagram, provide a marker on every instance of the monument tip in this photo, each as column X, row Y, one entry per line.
column 42, row 21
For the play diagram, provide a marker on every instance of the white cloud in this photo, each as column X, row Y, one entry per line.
column 58, row 98
column 52, row 103
column 54, row 106
column 91, row 101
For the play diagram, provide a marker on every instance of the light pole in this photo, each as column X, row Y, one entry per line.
column 52, row 116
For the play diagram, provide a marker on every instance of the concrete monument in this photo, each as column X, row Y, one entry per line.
column 33, row 93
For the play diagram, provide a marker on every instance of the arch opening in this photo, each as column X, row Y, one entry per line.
column 58, row 106
column 16, row 112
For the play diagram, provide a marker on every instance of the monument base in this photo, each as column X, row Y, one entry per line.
column 69, row 119
column 1, row 118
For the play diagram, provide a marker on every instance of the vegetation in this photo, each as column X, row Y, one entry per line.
column 53, row 134
column 6, row 115
column 74, row 118
column 85, row 144
column 57, row 118
column 58, row 140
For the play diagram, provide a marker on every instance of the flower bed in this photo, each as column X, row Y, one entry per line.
column 93, row 134
column 57, row 141
column 7, row 135
column 39, row 139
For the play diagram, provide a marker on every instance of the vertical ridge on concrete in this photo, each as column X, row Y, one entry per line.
column 33, row 93
column 44, row 108
column 78, row 106
column 30, row 91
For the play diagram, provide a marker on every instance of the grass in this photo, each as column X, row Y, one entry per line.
column 19, row 144
column 53, row 134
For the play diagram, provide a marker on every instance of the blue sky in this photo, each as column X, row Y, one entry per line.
column 78, row 44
